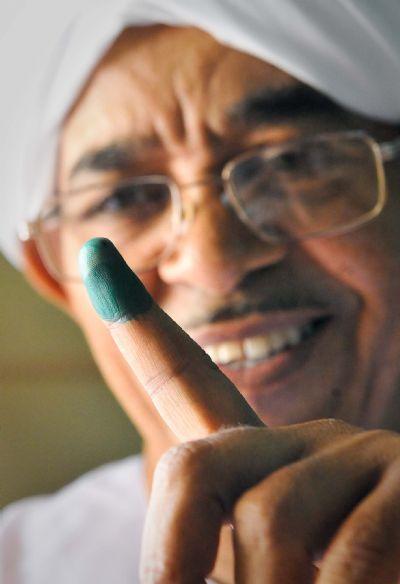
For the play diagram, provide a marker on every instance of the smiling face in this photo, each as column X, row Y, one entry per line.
column 306, row 331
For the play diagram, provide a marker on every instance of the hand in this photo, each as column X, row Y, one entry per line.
column 291, row 493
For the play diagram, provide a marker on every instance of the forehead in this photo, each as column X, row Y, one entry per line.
column 161, row 82
column 167, row 64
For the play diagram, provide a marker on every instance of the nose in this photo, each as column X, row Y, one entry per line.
column 217, row 251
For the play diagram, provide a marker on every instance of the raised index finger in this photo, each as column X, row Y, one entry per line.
column 192, row 395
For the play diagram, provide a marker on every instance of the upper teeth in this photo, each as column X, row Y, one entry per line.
column 256, row 348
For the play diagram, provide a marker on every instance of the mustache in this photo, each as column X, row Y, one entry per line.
column 269, row 289
column 233, row 309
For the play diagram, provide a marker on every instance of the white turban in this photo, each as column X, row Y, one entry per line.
column 348, row 49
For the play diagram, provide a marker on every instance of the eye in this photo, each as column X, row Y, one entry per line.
column 136, row 201
column 119, row 199
column 247, row 169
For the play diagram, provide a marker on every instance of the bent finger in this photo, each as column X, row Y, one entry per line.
column 366, row 550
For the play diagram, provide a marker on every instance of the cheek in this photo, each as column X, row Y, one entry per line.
column 69, row 250
column 365, row 262
column 154, row 285
column 345, row 262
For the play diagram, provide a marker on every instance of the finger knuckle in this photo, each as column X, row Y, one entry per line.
column 334, row 427
column 186, row 463
column 318, row 434
column 269, row 512
column 383, row 437
column 335, row 423
column 381, row 446
column 251, row 519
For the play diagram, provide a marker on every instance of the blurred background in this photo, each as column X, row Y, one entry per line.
column 57, row 418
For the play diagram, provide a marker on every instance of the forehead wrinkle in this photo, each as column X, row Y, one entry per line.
column 172, row 91
column 168, row 125
column 194, row 98
column 181, row 120
column 161, row 107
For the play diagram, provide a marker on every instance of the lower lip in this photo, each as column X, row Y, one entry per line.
column 275, row 370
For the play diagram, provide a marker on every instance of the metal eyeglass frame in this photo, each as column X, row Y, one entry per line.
column 383, row 152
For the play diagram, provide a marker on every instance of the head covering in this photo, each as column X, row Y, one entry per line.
column 347, row 49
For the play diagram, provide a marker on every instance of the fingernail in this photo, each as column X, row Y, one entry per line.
column 116, row 293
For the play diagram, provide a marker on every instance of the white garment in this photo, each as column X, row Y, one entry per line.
column 87, row 533
column 348, row 49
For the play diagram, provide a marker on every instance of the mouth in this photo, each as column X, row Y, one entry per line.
column 242, row 354
column 263, row 348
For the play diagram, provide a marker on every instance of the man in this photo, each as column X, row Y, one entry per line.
column 255, row 210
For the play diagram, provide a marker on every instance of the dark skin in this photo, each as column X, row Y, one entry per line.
column 321, row 485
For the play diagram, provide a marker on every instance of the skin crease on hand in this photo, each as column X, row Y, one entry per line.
column 172, row 90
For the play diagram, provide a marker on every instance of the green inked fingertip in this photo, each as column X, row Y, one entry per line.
column 116, row 293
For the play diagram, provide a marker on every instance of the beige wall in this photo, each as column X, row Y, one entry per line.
column 57, row 418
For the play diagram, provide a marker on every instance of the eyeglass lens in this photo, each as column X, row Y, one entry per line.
column 314, row 187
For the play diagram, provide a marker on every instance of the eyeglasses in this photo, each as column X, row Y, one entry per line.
column 320, row 186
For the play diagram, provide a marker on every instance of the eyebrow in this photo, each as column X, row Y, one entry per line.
column 116, row 156
column 280, row 104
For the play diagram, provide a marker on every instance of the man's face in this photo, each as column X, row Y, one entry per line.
column 182, row 105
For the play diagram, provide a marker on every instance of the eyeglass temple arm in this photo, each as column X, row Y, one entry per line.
column 390, row 150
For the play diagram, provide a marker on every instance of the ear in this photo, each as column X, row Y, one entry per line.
column 40, row 278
